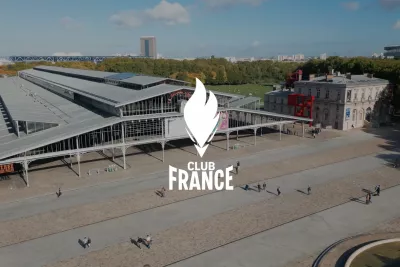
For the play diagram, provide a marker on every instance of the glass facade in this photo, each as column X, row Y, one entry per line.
column 146, row 48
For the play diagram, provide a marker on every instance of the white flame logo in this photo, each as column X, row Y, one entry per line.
column 201, row 117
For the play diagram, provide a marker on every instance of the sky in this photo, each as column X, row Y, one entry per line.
column 192, row 28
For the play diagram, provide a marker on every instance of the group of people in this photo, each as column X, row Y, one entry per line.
column 86, row 241
column 315, row 131
column 147, row 242
column 264, row 187
column 369, row 194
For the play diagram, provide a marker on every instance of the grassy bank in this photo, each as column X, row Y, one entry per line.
column 243, row 89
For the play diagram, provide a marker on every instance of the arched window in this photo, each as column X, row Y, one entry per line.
column 368, row 114
column 361, row 115
column 326, row 114
column 354, row 114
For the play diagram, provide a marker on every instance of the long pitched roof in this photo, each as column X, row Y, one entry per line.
column 81, row 72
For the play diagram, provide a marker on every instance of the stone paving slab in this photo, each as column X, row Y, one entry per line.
column 193, row 238
column 19, row 230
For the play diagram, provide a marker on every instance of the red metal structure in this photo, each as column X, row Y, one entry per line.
column 303, row 105
column 293, row 77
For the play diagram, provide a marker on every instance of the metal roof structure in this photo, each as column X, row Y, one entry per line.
column 81, row 72
column 108, row 94
column 45, row 97
column 120, row 76
column 143, row 80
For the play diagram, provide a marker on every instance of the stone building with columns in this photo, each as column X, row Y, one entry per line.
column 341, row 101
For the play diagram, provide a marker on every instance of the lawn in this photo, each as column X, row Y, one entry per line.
column 243, row 89
column 385, row 255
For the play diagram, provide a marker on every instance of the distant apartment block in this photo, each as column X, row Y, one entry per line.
column 323, row 56
column 148, row 46
column 245, row 59
column 298, row 57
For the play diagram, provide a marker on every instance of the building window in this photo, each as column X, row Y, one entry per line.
column 362, row 95
column 299, row 90
column 354, row 114
column 281, row 109
column 327, row 94
column 337, row 108
column 377, row 95
column 338, row 96
column 282, row 101
column 355, row 95
column 318, row 92
column 274, row 107
column 326, row 115
column 348, row 96
column 309, row 92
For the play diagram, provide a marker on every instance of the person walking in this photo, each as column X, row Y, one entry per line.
column 366, row 199
column 237, row 167
column 139, row 241
column 88, row 242
column 148, row 240
column 278, row 190
column 264, row 186
column 378, row 190
column 309, row 190
column 369, row 197
column 84, row 242
column 259, row 188
column 163, row 191
column 246, row 187
column 59, row 193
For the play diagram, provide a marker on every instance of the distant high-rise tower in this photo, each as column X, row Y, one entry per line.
column 148, row 47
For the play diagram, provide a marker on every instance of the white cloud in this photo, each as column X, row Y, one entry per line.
column 255, row 44
column 229, row 3
column 166, row 12
column 352, row 6
column 70, row 23
column 70, row 54
column 396, row 26
column 129, row 19
column 170, row 13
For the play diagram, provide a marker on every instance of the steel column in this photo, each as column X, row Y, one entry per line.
column 255, row 136
column 227, row 141
column 302, row 125
column 280, row 132
column 112, row 142
column 78, row 157
column 26, row 173
column 123, row 148
column 163, row 146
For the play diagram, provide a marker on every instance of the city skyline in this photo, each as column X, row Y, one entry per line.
column 188, row 28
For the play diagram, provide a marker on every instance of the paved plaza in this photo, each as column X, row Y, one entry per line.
column 209, row 228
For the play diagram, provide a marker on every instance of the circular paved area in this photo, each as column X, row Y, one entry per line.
column 338, row 255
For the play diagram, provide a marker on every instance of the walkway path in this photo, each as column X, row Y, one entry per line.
column 64, row 245
column 281, row 245
column 104, row 191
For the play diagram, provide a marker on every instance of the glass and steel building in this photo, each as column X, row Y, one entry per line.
column 148, row 46
column 392, row 51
